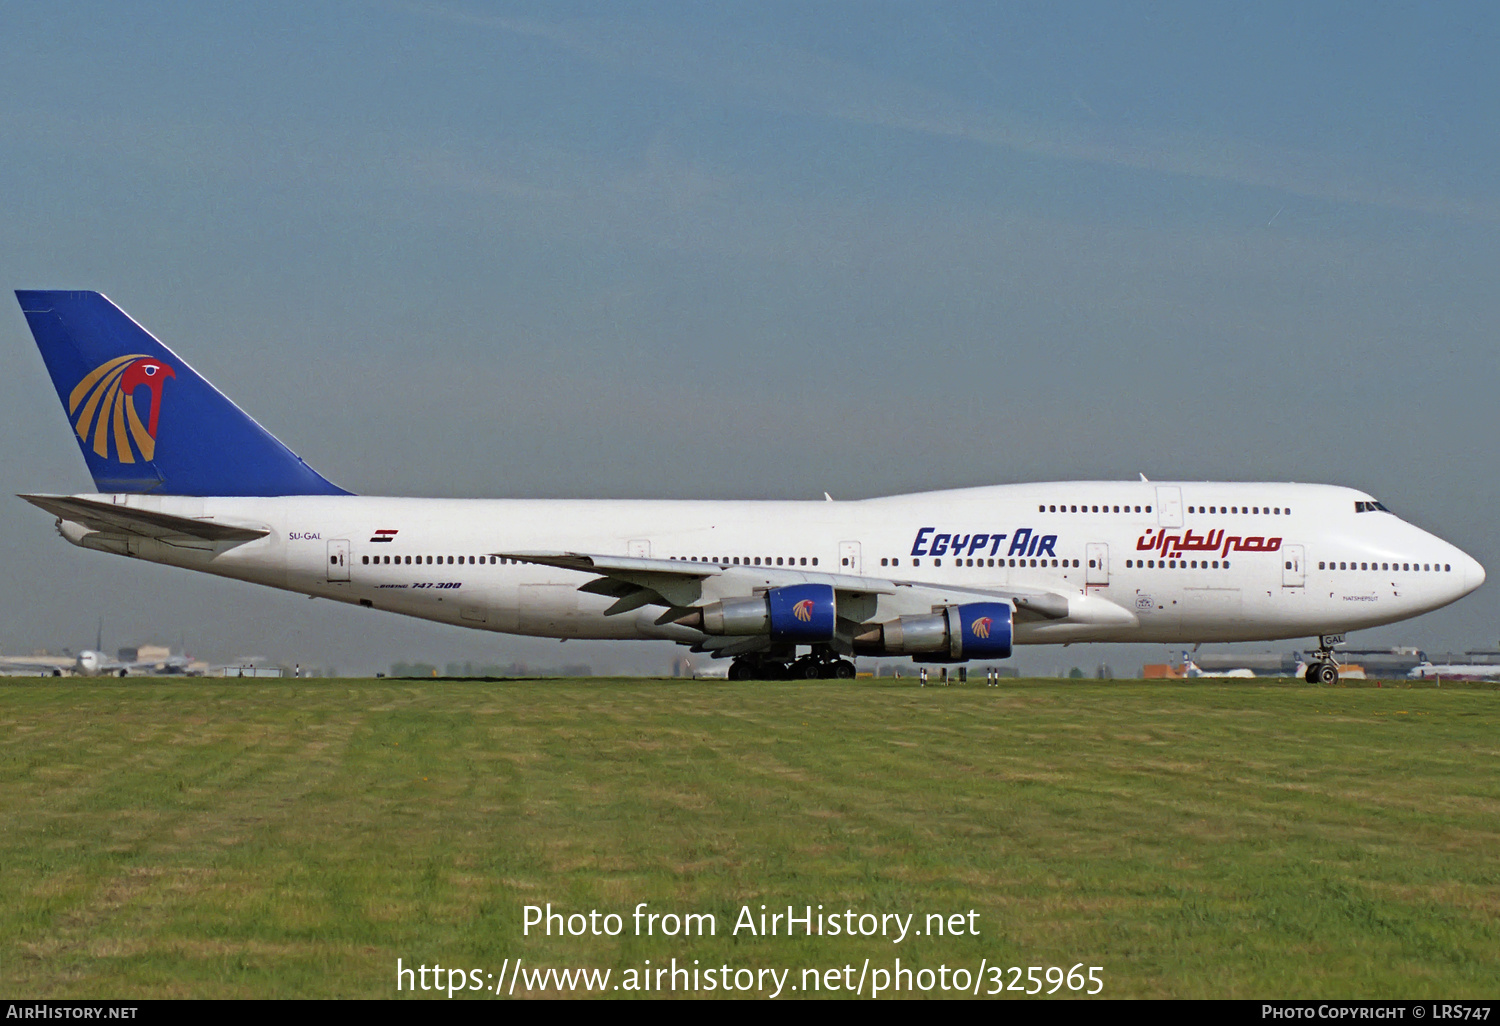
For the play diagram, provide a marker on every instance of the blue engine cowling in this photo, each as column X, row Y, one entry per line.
column 802, row 613
column 982, row 631
column 974, row 630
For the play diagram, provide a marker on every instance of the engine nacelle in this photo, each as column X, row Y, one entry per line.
column 974, row 630
column 798, row 613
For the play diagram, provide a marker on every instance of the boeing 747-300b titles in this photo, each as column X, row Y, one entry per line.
column 184, row 477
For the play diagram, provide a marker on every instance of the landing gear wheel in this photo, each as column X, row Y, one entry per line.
column 1325, row 666
column 843, row 670
column 805, row 668
column 737, row 671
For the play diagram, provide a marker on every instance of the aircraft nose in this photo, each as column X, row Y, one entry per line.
column 1473, row 573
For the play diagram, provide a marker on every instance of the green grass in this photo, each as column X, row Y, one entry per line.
column 294, row 838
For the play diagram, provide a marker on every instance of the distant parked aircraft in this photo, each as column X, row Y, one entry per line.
column 92, row 663
column 1191, row 669
column 1455, row 671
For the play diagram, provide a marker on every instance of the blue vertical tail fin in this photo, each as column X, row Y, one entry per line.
column 145, row 420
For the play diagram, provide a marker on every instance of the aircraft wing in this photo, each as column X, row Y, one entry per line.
column 636, row 581
column 44, row 665
column 679, row 584
column 112, row 519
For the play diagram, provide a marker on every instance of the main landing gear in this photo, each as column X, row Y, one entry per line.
column 822, row 663
column 1324, row 668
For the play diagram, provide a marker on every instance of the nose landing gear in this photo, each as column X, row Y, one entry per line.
column 1324, row 668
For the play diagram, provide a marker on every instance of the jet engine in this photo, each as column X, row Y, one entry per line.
column 802, row 614
column 974, row 630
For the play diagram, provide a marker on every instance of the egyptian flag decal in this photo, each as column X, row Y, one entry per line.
column 384, row 536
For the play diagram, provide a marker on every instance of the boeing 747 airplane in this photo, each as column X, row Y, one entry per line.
column 184, row 477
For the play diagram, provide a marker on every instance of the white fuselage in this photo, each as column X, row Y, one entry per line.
column 1178, row 562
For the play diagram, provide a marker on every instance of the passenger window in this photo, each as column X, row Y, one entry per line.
column 815, row 561
column 778, row 560
column 365, row 560
column 937, row 562
column 1148, row 509
column 1054, row 509
column 897, row 562
column 916, row 562
column 1075, row 509
column 1447, row 568
column 884, row 562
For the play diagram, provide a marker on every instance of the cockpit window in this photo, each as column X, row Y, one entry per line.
column 1361, row 506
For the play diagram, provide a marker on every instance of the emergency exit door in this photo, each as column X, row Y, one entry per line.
column 1098, row 568
column 849, row 557
column 338, row 559
column 1293, row 572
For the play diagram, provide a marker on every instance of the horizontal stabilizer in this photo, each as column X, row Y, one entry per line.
column 112, row 519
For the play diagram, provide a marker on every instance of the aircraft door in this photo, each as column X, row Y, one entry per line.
column 1169, row 507
column 1098, row 564
column 849, row 557
column 338, row 559
column 1293, row 570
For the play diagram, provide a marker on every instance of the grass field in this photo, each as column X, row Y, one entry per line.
column 294, row 838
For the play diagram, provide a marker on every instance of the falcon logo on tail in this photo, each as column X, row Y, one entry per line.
column 103, row 404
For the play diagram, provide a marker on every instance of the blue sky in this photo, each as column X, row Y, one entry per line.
column 761, row 250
